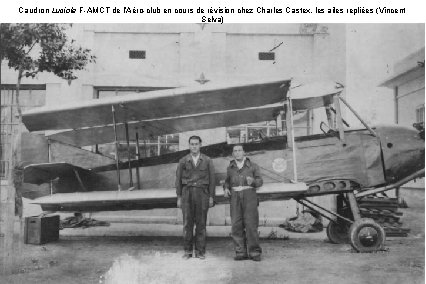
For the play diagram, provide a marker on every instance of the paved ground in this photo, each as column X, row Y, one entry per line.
column 129, row 253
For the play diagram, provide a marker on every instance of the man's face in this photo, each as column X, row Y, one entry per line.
column 194, row 146
column 238, row 153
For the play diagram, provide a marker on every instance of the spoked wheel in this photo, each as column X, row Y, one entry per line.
column 338, row 232
column 366, row 235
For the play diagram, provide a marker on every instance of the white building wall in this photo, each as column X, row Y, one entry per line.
column 114, row 68
column 410, row 96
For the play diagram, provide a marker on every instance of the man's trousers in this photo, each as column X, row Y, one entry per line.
column 195, row 204
column 245, row 222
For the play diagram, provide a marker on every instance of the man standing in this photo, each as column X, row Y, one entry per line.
column 195, row 190
column 242, row 180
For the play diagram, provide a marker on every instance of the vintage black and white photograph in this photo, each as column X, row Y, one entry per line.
column 212, row 153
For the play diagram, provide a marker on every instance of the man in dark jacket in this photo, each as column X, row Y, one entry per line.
column 195, row 190
column 242, row 180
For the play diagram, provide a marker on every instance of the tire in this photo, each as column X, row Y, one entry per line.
column 338, row 233
column 366, row 235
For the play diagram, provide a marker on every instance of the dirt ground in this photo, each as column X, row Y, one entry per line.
column 150, row 259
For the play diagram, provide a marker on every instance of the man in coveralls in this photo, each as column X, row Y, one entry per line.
column 195, row 190
column 242, row 180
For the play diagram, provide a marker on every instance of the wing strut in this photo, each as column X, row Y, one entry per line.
column 77, row 175
column 49, row 159
column 290, row 106
column 339, row 118
column 138, row 156
column 117, row 158
column 126, row 126
column 359, row 117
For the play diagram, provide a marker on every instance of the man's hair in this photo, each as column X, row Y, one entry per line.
column 194, row 137
column 238, row 144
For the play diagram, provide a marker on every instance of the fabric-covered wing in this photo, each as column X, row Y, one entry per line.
column 170, row 125
column 150, row 198
column 156, row 104
column 314, row 95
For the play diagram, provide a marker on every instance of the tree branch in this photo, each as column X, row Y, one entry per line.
column 31, row 47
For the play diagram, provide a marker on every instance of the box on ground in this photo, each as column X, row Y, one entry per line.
column 41, row 229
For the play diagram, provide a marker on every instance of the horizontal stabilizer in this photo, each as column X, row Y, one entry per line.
column 43, row 173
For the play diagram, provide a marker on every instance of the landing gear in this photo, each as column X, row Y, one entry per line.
column 346, row 224
column 366, row 235
column 338, row 232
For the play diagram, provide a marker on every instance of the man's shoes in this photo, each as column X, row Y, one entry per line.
column 200, row 256
column 255, row 258
column 187, row 256
column 240, row 257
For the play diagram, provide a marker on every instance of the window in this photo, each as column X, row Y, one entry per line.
column 266, row 56
column 137, row 54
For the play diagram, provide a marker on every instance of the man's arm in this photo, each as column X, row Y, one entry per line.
column 258, row 181
column 212, row 180
column 178, row 184
column 227, row 184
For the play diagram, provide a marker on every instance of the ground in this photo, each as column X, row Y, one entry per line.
column 138, row 256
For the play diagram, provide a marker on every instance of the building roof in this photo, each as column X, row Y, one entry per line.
column 409, row 68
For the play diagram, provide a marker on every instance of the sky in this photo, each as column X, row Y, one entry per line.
column 372, row 50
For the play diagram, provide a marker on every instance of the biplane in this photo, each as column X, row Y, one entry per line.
column 348, row 163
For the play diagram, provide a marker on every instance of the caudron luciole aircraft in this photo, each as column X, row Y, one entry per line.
column 349, row 163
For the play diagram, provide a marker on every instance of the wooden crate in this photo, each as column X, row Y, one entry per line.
column 41, row 230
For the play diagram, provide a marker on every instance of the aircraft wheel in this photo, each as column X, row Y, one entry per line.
column 366, row 235
column 338, row 232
